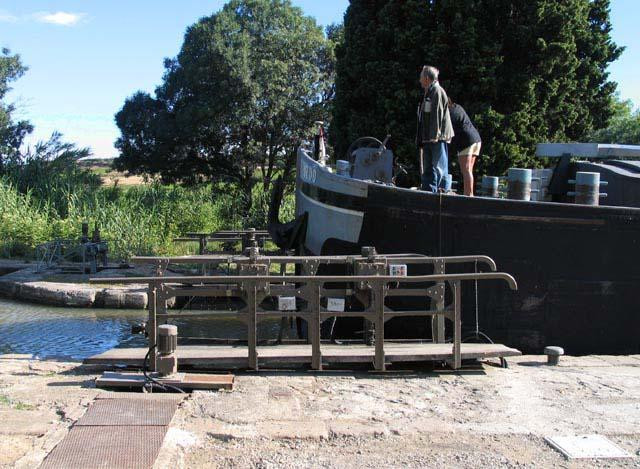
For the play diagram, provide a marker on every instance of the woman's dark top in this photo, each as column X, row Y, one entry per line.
column 465, row 133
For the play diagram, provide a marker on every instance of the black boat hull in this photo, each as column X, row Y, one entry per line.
column 576, row 266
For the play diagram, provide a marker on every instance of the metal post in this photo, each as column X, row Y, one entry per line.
column 202, row 239
column 378, row 308
column 161, row 299
column 252, row 335
column 457, row 323
column 152, row 329
column 437, row 321
column 85, row 232
column 314, row 327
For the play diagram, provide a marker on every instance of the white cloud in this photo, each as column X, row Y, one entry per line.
column 6, row 17
column 61, row 18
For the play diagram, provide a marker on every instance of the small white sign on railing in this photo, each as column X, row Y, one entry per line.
column 398, row 270
column 335, row 304
column 286, row 303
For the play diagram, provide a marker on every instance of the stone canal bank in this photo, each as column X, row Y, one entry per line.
column 22, row 281
column 484, row 416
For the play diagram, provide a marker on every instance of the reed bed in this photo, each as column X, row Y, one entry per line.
column 135, row 220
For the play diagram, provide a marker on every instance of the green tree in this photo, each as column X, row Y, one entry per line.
column 377, row 72
column 237, row 100
column 623, row 128
column 12, row 133
column 526, row 71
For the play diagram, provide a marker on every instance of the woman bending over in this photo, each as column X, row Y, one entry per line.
column 466, row 143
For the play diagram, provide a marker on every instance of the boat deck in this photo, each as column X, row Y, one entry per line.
column 233, row 357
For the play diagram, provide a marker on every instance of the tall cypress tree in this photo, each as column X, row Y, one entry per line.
column 596, row 50
column 526, row 71
column 377, row 70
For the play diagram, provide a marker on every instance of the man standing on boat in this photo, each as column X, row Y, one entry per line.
column 434, row 131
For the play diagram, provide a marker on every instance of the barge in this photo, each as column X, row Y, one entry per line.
column 577, row 266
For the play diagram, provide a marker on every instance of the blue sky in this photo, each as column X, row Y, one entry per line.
column 86, row 57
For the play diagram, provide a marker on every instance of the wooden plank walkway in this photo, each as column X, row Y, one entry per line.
column 231, row 356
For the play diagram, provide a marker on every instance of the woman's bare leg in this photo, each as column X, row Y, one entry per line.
column 466, row 167
column 472, row 161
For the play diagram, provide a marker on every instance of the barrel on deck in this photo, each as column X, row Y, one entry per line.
column 490, row 186
column 587, row 188
column 519, row 181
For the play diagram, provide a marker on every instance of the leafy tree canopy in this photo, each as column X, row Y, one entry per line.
column 526, row 71
column 11, row 133
column 243, row 92
column 623, row 128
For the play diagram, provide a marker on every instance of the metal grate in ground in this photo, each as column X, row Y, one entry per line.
column 110, row 447
column 157, row 396
column 120, row 412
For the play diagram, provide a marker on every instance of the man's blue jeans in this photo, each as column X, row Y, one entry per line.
column 435, row 164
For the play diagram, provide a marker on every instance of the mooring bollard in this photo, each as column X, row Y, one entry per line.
column 553, row 354
column 519, row 184
column 587, row 188
column 342, row 168
column 490, row 186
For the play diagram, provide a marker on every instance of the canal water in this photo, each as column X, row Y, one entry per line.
column 76, row 333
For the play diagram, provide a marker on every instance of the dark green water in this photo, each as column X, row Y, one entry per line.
column 77, row 333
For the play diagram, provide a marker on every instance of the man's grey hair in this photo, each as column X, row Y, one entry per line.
column 430, row 72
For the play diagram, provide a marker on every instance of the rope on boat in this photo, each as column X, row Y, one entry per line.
column 478, row 333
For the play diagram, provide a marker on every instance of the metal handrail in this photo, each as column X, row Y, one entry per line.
column 226, row 279
column 232, row 259
column 369, row 284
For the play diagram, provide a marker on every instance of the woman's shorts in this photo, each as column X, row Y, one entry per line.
column 474, row 149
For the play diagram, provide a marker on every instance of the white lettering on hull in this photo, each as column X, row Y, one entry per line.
column 308, row 173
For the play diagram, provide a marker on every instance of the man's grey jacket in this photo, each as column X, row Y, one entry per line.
column 434, row 122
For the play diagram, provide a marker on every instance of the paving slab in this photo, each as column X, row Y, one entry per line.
column 226, row 431
column 587, row 447
column 25, row 422
column 293, row 429
column 357, row 428
column 13, row 448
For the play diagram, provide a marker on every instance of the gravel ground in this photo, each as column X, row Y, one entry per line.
column 478, row 417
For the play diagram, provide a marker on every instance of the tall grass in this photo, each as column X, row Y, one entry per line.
column 47, row 195
column 135, row 220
